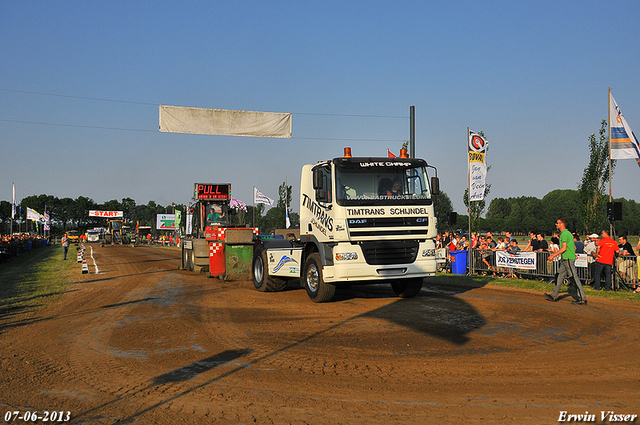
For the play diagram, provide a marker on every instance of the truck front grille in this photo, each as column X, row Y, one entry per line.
column 389, row 252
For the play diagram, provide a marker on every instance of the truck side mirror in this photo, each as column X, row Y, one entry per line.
column 318, row 178
column 322, row 196
column 435, row 186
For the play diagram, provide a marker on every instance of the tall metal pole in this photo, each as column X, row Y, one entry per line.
column 470, row 250
column 412, row 131
column 610, row 174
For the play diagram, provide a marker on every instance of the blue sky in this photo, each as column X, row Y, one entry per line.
column 532, row 75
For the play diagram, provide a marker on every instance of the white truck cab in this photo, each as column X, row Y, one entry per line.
column 361, row 220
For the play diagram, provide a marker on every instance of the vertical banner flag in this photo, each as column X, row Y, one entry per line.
column 477, row 166
column 261, row 198
column 13, row 202
column 624, row 144
column 189, row 223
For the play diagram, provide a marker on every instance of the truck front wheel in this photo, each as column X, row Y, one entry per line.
column 261, row 279
column 318, row 290
column 407, row 288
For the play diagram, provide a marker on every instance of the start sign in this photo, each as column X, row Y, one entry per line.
column 212, row 192
column 107, row 214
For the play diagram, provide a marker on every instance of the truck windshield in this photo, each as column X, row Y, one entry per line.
column 377, row 181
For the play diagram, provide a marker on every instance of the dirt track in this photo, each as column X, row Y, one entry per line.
column 143, row 342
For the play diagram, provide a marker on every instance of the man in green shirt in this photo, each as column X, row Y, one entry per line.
column 567, row 266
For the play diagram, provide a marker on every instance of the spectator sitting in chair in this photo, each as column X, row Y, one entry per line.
column 628, row 263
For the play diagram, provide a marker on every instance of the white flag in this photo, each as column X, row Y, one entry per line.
column 624, row 144
column 33, row 215
column 288, row 222
column 261, row 198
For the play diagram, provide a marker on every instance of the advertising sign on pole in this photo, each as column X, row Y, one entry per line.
column 189, row 224
column 166, row 222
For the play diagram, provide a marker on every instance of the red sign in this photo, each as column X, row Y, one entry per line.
column 212, row 192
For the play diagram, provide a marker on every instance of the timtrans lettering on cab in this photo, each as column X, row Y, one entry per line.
column 318, row 212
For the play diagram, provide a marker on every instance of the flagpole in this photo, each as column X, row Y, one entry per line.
column 469, row 251
column 13, row 205
column 609, row 118
column 610, row 173
column 253, row 220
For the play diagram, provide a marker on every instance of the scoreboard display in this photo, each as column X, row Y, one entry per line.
column 212, row 191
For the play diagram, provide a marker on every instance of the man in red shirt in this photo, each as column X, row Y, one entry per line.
column 606, row 252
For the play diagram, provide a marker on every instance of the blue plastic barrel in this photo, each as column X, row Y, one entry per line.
column 458, row 262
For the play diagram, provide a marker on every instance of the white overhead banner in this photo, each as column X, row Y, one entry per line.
column 224, row 122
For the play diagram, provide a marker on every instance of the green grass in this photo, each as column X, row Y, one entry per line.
column 536, row 285
column 35, row 278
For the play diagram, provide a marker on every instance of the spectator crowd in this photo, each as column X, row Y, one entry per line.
column 19, row 243
column 604, row 255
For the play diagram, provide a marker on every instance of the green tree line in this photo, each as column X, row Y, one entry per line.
column 522, row 214
column 68, row 213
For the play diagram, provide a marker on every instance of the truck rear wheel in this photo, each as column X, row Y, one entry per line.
column 318, row 290
column 407, row 288
column 200, row 257
column 186, row 259
column 192, row 260
column 261, row 279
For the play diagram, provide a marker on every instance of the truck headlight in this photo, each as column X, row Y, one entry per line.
column 429, row 253
column 344, row 256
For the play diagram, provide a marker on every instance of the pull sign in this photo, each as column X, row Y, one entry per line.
column 206, row 191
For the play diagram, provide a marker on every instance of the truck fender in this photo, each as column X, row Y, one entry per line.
column 324, row 249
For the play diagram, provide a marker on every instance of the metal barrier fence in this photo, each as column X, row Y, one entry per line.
column 625, row 272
